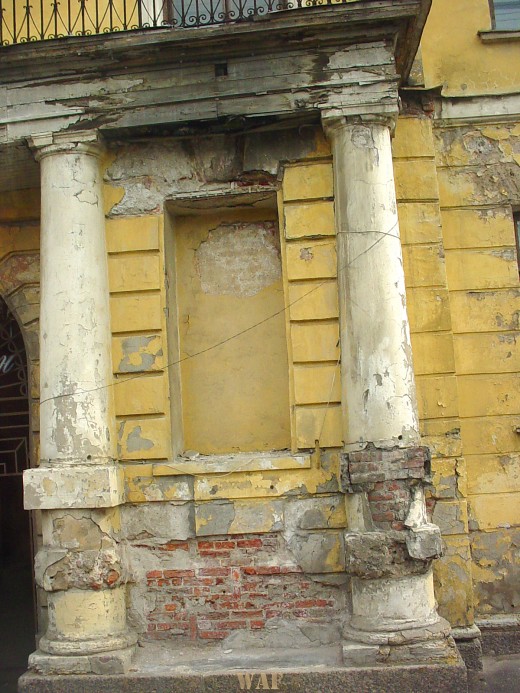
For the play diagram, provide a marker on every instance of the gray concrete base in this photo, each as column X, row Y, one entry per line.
column 162, row 669
column 471, row 653
column 113, row 662
column 501, row 641
column 412, row 679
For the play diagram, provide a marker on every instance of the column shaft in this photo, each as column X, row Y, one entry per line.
column 78, row 485
column 389, row 543
column 76, row 397
column 377, row 375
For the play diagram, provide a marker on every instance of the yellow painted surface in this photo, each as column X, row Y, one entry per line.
column 311, row 260
column 450, row 477
column 457, row 188
column 143, row 438
column 309, row 219
column 413, row 138
column 477, row 228
column 140, row 394
column 233, row 463
column 458, row 60
column 483, row 268
column 135, row 313
column 415, row 179
column 307, row 181
column 316, row 300
column 487, row 353
column 133, row 272
column 132, row 233
column 315, row 341
column 18, row 238
column 318, row 423
column 490, row 474
column 138, row 353
column 424, row 265
column 485, row 311
column 490, row 394
column 20, row 205
column 317, row 383
column 437, row 396
column 235, row 391
column 111, row 196
column 493, row 434
column 497, row 510
column 419, row 222
column 442, row 436
column 268, row 484
column 453, row 583
column 477, row 145
column 433, row 353
column 428, row 309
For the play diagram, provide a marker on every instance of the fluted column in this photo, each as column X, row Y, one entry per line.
column 77, row 485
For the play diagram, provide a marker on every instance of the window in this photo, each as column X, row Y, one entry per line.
column 505, row 14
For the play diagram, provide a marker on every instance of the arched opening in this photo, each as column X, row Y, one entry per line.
column 17, row 625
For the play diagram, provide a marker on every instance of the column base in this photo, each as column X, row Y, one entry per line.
column 113, row 662
column 91, row 646
column 423, row 644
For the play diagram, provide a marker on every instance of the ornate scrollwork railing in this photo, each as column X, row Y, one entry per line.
column 23, row 21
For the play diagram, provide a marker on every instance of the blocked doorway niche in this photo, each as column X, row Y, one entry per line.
column 230, row 389
column 17, row 621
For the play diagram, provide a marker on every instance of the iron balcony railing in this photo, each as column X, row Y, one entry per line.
column 23, row 21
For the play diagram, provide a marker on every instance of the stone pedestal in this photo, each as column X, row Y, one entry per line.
column 77, row 486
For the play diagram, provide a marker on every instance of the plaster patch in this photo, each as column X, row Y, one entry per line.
column 239, row 259
column 134, row 442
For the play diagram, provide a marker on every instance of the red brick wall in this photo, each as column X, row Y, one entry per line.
column 234, row 583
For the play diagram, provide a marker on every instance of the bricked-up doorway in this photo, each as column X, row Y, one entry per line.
column 17, row 625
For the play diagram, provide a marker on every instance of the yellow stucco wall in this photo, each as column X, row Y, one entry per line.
column 234, row 389
column 464, row 301
column 429, row 311
column 456, row 58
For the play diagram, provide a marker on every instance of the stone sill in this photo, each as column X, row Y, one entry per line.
column 499, row 35
column 233, row 463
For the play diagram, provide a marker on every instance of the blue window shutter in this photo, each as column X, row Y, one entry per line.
column 507, row 14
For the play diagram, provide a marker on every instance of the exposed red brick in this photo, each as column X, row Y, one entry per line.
column 180, row 573
column 154, row 574
column 213, row 634
column 231, row 625
column 225, row 544
column 214, row 571
column 250, row 543
column 175, row 546
column 205, row 545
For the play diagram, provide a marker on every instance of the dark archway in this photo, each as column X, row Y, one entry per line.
column 17, row 625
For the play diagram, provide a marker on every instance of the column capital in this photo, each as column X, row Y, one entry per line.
column 334, row 123
column 48, row 143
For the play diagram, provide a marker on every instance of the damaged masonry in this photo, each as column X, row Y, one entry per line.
column 220, row 257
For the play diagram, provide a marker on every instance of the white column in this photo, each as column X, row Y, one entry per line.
column 378, row 386
column 76, row 375
column 394, row 604
column 78, row 446
column 78, row 485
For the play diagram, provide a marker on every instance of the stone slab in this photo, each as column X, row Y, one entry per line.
column 395, row 679
column 501, row 640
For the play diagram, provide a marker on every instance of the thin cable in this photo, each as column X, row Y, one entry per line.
column 382, row 235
